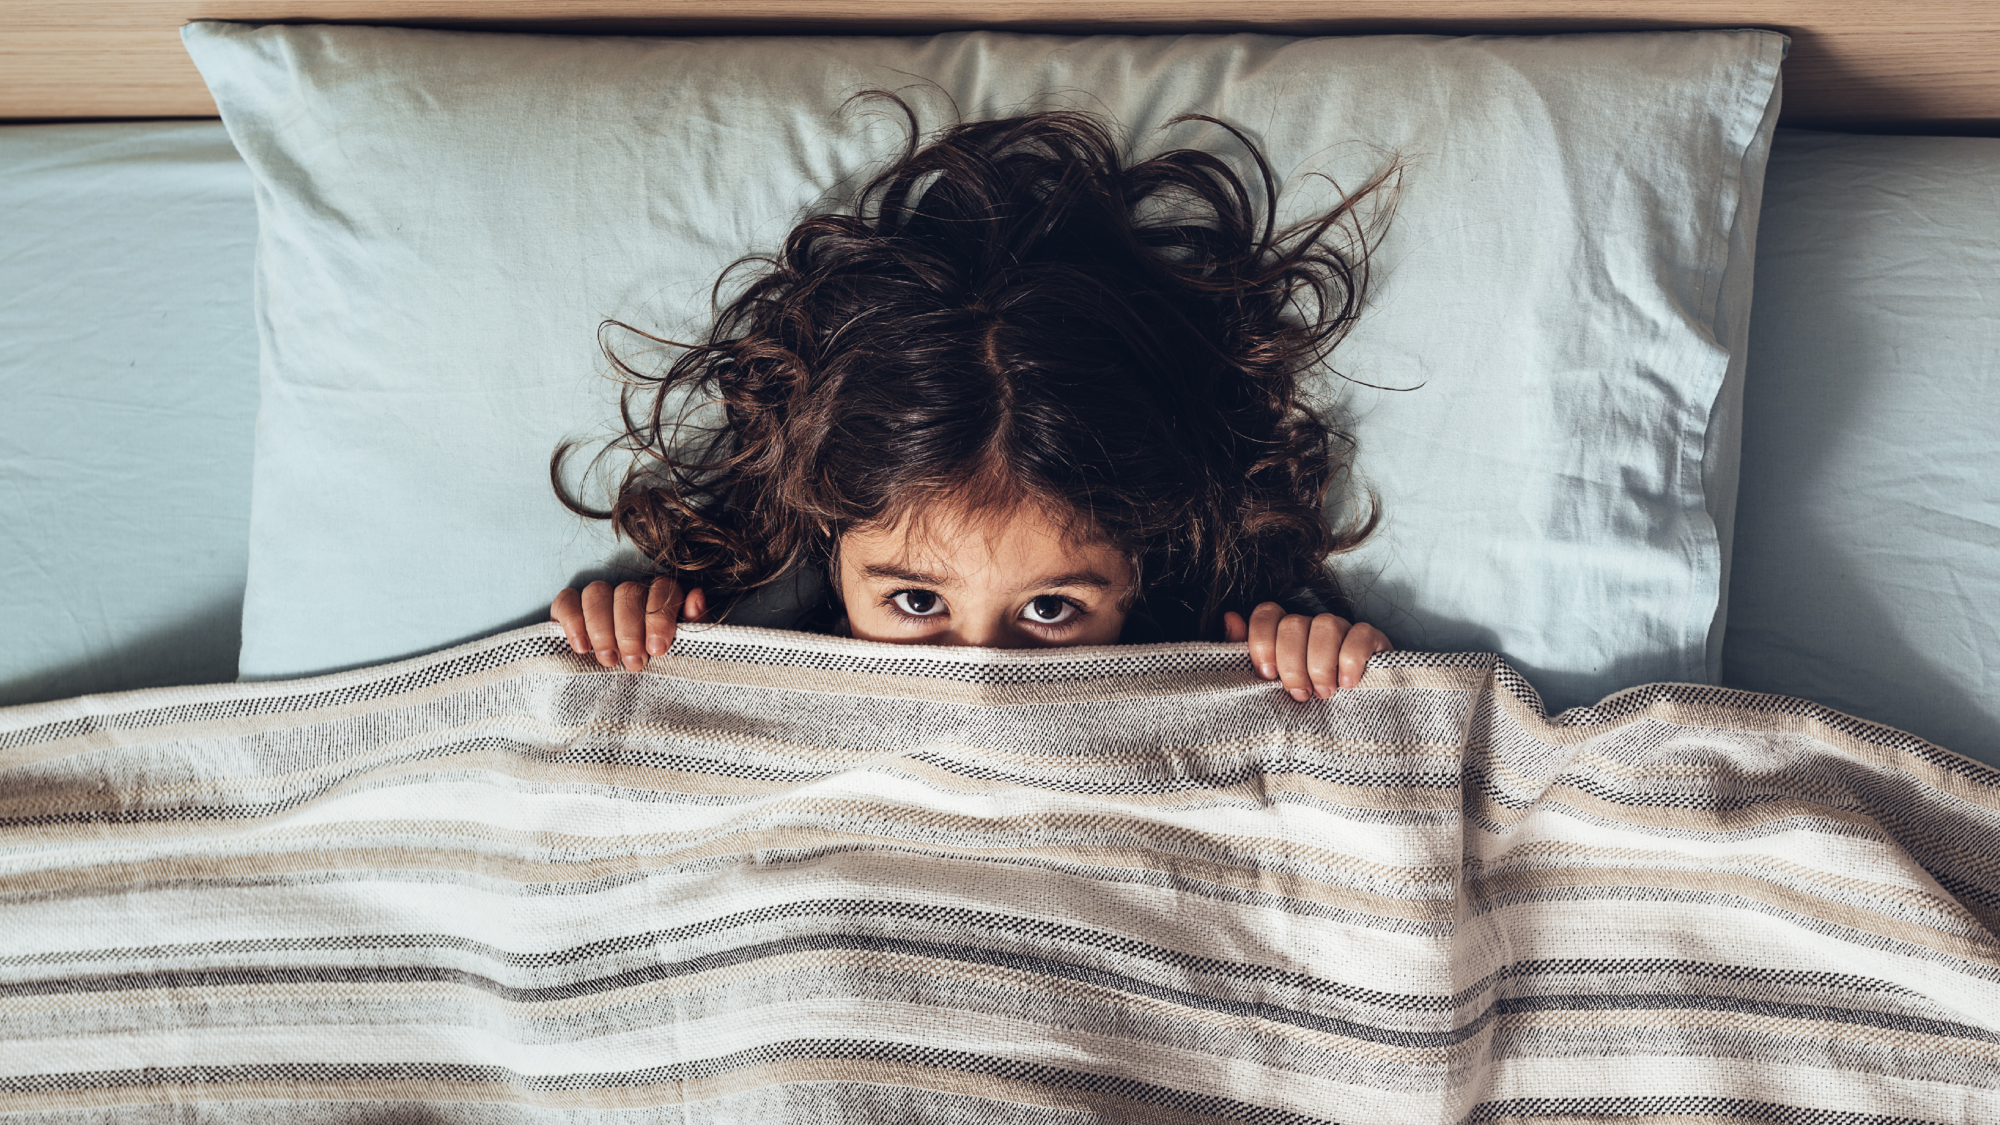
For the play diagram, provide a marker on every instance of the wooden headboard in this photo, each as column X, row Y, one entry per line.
column 1896, row 65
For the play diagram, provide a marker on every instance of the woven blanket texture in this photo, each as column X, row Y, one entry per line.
column 783, row 877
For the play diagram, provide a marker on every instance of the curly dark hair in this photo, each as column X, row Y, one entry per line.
column 1008, row 314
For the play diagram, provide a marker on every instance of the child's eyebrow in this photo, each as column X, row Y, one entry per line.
column 1088, row 578
column 1073, row 578
column 901, row 574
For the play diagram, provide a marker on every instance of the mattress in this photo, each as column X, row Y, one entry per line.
column 1867, row 554
column 128, row 365
column 1865, row 572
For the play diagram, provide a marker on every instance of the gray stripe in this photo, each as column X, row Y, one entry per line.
column 251, row 977
column 1059, row 1078
column 1681, row 1105
column 1102, row 977
column 295, row 1027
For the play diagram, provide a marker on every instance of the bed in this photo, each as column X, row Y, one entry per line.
column 1854, row 564
column 181, row 593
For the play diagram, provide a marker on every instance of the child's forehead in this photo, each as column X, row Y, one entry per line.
column 949, row 541
column 945, row 522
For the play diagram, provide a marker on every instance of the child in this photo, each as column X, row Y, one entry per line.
column 1022, row 395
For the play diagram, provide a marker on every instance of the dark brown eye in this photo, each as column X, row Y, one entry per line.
column 918, row 603
column 1049, row 610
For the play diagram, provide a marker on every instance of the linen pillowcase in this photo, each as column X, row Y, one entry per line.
column 446, row 216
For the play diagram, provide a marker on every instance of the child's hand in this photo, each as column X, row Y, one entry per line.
column 627, row 624
column 1312, row 655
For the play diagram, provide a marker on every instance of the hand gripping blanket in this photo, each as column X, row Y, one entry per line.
column 779, row 877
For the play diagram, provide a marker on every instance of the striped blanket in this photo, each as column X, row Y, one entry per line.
column 782, row 877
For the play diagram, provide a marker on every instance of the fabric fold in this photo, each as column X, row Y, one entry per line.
column 786, row 876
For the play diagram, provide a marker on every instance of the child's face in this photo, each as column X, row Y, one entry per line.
column 997, row 581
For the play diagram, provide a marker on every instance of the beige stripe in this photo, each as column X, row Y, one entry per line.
column 1278, row 743
column 738, row 1081
column 1567, row 852
column 1750, row 719
column 1818, row 1031
column 1300, row 886
column 1728, row 769
column 1074, row 821
column 1437, row 678
column 363, row 767
column 1509, row 777
column 993, row 1087
column 1222, row 754
column 847, row 809
column 268, row 998
column 417, row 1091
column 652, row 779
column 560, row 664
column 1674, row 817
column 1282, row 884
column 506, row 764
column 656, row 849
column 1755, row 890
column 1257, row 789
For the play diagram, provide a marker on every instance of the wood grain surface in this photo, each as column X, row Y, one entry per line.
column 1908, row 65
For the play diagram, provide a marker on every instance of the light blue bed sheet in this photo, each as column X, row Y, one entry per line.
column 128, row 401
column 1867, row 558
column 1866, row 570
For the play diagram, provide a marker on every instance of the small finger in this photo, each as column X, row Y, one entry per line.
column 1363, row 641
column 1323, row 653
column 567, row 611
column 1235, row 630
column 1293, row 632
column 628, row 604
column 663, row 610
column 597, row 622
column 695, row 608
column 1263, row 638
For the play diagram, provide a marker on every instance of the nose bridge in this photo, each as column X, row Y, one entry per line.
column 983, row 627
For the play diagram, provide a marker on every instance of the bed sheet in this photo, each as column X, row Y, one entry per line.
column 1867, row 556
column 1866, row 573
column 128, row 369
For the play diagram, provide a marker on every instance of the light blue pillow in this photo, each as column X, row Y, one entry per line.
column 446, row 217
column 1868, row 572
column 128, row 401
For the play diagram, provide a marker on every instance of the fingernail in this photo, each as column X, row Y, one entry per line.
column 1299, row 694
column 1326, row 693
column 1269, row 671
column 604, row 657
column 656, row 645
column 635, row 663
column 1347, row 681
